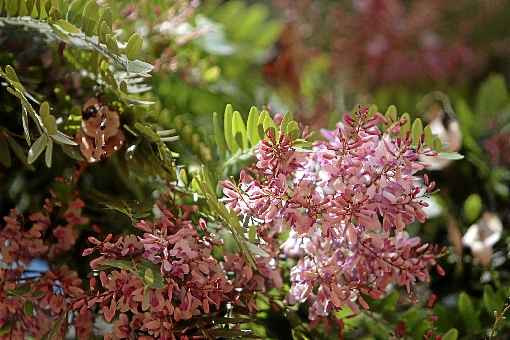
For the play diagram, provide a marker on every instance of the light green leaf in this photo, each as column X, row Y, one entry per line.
column 252, row 128
column 67, row 26
column 472, row 207
column 406, row 127
column 11, row 74
column 37, row 148
column 151, row 274
column 452, row 334
column 428, row 136
column 227, row 129
column 49, row 153
column 239, row 130
column 12, row 7
column 219, row 137
column 451, row 155
column 24, row 120
column 61, row 138
column 138, row 66
column 266, row 121
column 417, row 131
column 391, row 114
column 148, row 276
column 292, row 130
column 134, row 46
column 49, row 121
column 287, row 118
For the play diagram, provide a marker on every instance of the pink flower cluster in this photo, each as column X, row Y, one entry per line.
column 185, row 280
column 347, row 202
column 36, row 301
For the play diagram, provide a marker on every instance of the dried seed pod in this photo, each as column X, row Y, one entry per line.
column 100, row 135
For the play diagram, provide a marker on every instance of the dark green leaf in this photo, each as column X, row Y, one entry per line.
column 28, row 308
column 5, row 155
column 17, row 149
column 468, row 313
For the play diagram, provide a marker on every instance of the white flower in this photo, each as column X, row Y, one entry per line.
column 482, row 236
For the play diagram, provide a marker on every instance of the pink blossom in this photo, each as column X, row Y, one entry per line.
column 347, row 202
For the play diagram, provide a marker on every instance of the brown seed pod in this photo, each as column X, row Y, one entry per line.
column 100, row 135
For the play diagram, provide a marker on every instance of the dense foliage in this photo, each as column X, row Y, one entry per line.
column 144, row 195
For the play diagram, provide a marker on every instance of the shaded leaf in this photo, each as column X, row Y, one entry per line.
column 37, row 148
column 5, row 155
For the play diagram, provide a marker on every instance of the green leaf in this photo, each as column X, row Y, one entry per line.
column 227, row 129
column 428, row 136
column 287, row 118
column 12, row 7
column 472, row 207
column 61, row 138
column 49, row 153
column 452, row 334
column 468, row 313
column 28, row 308
column 451, row 155
column 48, row 120
column 5, row 329
column 406, row 127
column 391, row 114
column 148, row 276
column 492, row 96
column 292, row 130
column 11, row 74
column 134, row 46
column 37, row 148
column 151, row 275
column 252, row 128
column 491, row 300
column 120, row 264
column 266, row 121
column 5, row 155
column 17, row 149
column 107, row 17
column 24, row 120
column 239, row 130
column 417, row 131
column 437, row 145
column 219, row 135
column 372, row 109
column 138, row 66
column 67, row 26
column 89, row 17
column 71, row 152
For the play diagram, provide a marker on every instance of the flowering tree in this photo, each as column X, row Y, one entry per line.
column 119, row 236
